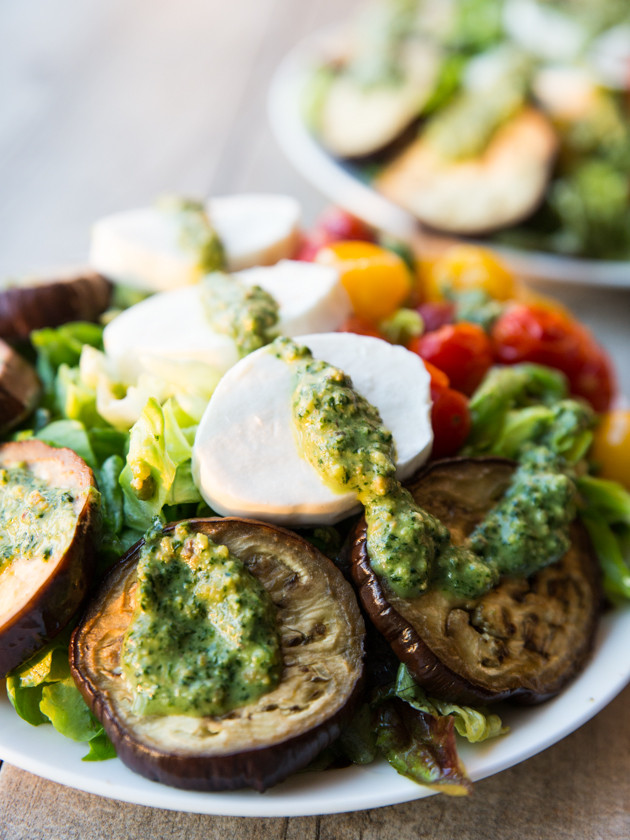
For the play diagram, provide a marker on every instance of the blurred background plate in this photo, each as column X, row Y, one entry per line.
column 341, row 183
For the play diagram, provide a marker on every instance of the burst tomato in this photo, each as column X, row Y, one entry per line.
column 550, row 337
column 463, row 351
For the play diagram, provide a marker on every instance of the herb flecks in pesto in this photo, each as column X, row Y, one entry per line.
column 37, row 521
column 196, row 233
column 528, row 529
column 341, row 435
column 203, row 639
column 247, row 314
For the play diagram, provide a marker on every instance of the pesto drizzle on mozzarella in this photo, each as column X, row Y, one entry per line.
column 247, row 314
column 341, row 435
column 203, row 639
column 196, row 233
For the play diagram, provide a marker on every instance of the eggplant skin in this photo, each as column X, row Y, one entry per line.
column 43, row 609
column 523, row 641
column 51, row 302
column 20, row 388
column 261, row 743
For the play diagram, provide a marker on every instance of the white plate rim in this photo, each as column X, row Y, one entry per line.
column 337, row 183
column 42, row 751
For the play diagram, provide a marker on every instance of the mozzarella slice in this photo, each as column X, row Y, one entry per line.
column 173, row 324
column 256, row 229
column 245, row 457
column 142, row 248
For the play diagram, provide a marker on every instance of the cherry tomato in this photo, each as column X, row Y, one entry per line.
column 450, row 419
column 377, row 280
column 463, row 351
column 547, row 336
column 340, row 225
column 354, row 324
column 436, row 313
column 309, row 247
column 464, row 268
column 611, row 446
column 438, row 378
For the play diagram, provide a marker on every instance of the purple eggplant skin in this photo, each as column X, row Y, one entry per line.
column 51, row 302
column 523, row 641
column 43, row 611
column 20, row 388
column 322, row 636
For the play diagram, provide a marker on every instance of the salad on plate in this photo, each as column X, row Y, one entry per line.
column 520, row 105
column 276, row 501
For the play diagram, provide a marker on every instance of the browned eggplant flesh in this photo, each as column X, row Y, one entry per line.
column 525, row 639
column 46, row 566
column 51, row 301
column 20, row 388
column 258, row 744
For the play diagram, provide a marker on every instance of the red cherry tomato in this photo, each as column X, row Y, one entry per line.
column 463, row 351
column 450, row 419
column 340, row 225
column 354, row 324
column 436, row 314
column 535, row 333
column 310, row 245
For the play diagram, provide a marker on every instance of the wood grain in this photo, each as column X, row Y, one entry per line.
column 577, row 790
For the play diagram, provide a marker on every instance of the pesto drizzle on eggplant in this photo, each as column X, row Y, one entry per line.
column 203, row 639
column 36, row 519
column 342, row 436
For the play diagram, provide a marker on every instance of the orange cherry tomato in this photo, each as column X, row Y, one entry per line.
column 611, row 446
column 464, row 268
column 377, row 280
column 550, row 337
column 438, row 378
column 463, row 351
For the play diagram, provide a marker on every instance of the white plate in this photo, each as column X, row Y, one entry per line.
column 42, row 751
column 341, row 184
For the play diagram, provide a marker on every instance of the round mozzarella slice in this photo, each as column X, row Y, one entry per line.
column 142, row 248
column 173, row 324
column 245, row 458
column 256, row 229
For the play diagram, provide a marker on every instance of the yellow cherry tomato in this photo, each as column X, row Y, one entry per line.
column 377, row 280
column 611, row 446
column 464, row 268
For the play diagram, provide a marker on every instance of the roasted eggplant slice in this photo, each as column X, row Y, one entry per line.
column 360, row 119
column 525, row 639
column 48, row 504
column 261, row 743
column 20, row 388
column 49, row 302
column 475, row 196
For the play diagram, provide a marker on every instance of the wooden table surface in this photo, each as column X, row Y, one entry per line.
column 108, row 103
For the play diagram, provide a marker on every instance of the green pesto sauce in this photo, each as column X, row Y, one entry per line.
column 36, row 520
column 464, row 128
column 247, row 314
column 341, row 435
column 203, row 639
column 196, row 233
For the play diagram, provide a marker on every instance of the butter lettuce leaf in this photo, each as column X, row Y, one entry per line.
column 157, row 470
column 42, row 691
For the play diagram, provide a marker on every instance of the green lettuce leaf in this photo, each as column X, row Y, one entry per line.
column 43, row 691
column 157, row 471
